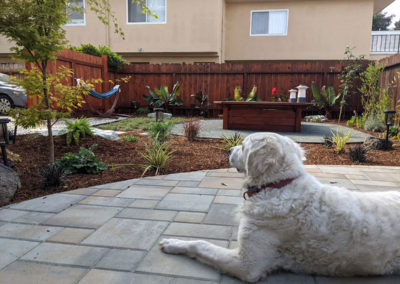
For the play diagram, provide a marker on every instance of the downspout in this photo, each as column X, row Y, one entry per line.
column 222, row 44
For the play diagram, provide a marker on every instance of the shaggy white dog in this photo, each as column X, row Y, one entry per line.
column 291, row 221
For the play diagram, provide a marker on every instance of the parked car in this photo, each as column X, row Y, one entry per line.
column 10, row 96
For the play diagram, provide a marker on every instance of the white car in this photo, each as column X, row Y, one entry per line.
column 10, row 96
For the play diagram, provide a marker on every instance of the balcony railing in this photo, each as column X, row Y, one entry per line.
column 385, row 42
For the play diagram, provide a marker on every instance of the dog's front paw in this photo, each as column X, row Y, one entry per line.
column 173, row 246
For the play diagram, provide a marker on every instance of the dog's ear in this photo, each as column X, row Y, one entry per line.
column 263, row 154
column 300, row 152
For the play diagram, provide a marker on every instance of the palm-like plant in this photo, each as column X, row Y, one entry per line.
column 163, row 98
column 324, row 99
column 76, row 129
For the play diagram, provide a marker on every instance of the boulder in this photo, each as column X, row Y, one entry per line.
column 9, row 183
column 374, row 143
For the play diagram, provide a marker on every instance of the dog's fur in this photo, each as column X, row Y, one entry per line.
column 303, row 227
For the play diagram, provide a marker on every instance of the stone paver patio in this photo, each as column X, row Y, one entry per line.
column 110, row 233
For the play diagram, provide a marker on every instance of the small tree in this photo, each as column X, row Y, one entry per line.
column 35, row 26
column 348, row 77
column 397, row 25
column 381, row 22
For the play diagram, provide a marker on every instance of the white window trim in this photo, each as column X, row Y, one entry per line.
column 270, row 10
column 84, row 17
column 145, row 23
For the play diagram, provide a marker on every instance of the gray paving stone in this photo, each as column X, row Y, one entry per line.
column 175, row 265
column 229, row 199
column 70, row 235
column 222, row 214
column 34, row 217
column 192, row 176
column 52, row 203
column 83, row 191
column 186, row 202
column 10, row 215
column 358, row 280
column 194, row 190
column 84, row 216
column 143, row 203
column 107, row 201
column 147, row 214
column 22, row 272
column 190, row 217
column 116, row 277
column 28, row 232
column 107, row 192
column 287, row 278
column 188, row 183
column 11, row 250
column 127, row 233
column 121, row 185
column 192, row 281
column 199, row 231
column 66, row 254
column 229, row 192
column 118, row 259
column 157, row 182
column 145, row 192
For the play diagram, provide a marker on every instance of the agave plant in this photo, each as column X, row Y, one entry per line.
column 162, row 98
column 324, row 99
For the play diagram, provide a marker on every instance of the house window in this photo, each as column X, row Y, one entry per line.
column 269, row 22
column 158, row 7
column 76, row 18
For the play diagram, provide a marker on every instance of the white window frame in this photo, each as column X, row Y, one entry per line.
column 271, row 10
column 84, row 17
column 145, row 23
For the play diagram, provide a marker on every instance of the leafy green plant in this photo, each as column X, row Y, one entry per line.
column 114, row 60
column 394, row 131
column 325, row 99
column 374, row 124
column 53, row 176
column 231, row 141
column 83, row 162
column 160, row 130
column 76, row 129
column 348, row 77
column 156, row 156
column 163, row 98
column 357, row 121
column 130, row 138
column 357, row 153
column 191, row 129
column 143, row 110
column 340, row 140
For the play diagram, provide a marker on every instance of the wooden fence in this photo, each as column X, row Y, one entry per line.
column 390, row 78
column 218, row 81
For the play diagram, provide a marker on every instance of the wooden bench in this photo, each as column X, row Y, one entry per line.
column 264, row 116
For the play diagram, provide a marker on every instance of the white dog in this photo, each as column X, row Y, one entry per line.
column 291, row 221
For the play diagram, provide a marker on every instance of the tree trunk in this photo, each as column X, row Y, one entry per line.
column 48, row 107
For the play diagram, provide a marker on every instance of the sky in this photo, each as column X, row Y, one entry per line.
column 393, row 9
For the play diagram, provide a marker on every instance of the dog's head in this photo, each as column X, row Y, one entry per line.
column 266, row 154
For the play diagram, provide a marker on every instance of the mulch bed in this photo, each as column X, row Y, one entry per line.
column 201, row 154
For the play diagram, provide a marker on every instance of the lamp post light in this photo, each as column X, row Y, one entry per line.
column 159, row 114
column 389, row 119
column 292, row 95
column 301, row 98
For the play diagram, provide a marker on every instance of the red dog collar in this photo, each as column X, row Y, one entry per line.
column 253, row 190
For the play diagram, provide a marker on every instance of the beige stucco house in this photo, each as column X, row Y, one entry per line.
column 230, row 30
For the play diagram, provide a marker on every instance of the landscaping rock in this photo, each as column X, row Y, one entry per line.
column 374, row 143
column 9, row 183
column 315, row 118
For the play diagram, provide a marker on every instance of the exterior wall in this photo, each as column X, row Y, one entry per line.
column 316, row 30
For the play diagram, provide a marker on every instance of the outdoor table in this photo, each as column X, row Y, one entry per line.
column 265, row 116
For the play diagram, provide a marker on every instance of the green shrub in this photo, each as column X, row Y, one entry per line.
column 394, row 131
column 83, row 162
column 357, row 121
column 156, row 157
column 130, row 138
column 53, row 176
column 231, row 141
column 114, row 60
column 76, row 129
column 357, row 153
column 160, row 130
column 191, row 129
column 340, row 140
column 374, row 124
column 143, row 110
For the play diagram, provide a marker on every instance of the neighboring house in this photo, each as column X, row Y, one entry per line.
column 230, row 30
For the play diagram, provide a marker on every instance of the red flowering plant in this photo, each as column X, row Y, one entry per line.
column 275, row 95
